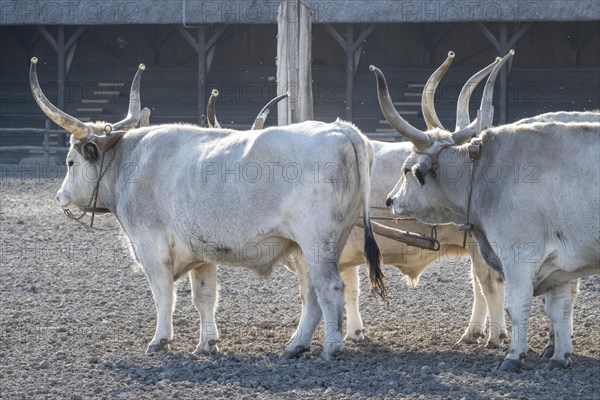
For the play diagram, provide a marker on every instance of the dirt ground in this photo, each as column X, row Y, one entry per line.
column 76, row 314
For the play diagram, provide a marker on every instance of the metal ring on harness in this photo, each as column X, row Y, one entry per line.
column 434, row 238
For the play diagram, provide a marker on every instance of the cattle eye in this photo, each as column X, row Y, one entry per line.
column 70, row 163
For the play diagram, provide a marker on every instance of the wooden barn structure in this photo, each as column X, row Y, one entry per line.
column 89, row 51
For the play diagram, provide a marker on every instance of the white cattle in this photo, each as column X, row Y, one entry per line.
column 488, row 286
column 201, row 197
column 540, row 230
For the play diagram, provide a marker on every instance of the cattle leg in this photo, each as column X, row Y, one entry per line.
column 310, row 317
column 328, row 284
column 354, row 324
column 557, row 305
column 478, row 314
column 161, row 284
column 549, row 349
column 204, row 296
column 519, row 294
column 492, row 288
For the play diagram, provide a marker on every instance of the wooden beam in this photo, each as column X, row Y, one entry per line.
column 363, row 36
column 349, row 71
column 48, row 37
column 215, row 36
column 359, row 45
column 73, row 39
column 352, row 49
column 205, row 50
column 489, row 35
column 504, row 47
column 188, row 36
column 436, row 39
column 503, row 44
column 201, row 49
column 461, row 60
column 211, row 45
column 338, row 38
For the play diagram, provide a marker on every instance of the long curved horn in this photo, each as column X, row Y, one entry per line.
column 462, row 108
column 487, row 109
column 145, row 117
column 485, row 114
column 60, row 118
column 210, row 110
column 419, row 138
column 428, row 96
column 135, row 106
column 259, row 121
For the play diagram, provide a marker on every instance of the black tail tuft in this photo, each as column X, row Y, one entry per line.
column 373, row 256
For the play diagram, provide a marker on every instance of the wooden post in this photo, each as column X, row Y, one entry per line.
column 349, row 71
column 305, row 106
column 352, row 49
column 60, row 51
column 503, row 45
column 203, row 49
column 294, row 73
column 503, row 74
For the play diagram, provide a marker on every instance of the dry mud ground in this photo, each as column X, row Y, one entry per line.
column 76, row 315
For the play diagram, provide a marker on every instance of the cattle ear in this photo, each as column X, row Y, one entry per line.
column 419, row 171
column 90, row 152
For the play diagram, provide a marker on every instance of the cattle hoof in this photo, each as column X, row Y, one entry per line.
column 548, row 351
column 560, row 364
column 328, row 357
column 510, row 365
column 207, row 351
column 357, row 337
column 494, row 345
column 466, row 340
column 162, row 346
column 296, row 353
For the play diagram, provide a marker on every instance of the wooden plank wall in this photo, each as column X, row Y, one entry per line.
column 546, row 76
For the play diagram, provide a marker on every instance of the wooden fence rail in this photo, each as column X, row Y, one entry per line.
column 45, row 148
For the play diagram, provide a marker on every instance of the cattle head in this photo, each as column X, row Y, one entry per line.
column 89, row 140
column 419, row 193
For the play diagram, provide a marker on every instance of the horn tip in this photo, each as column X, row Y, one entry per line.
column 34, row 60
column 288, row 94
column 214, row 92
column 512, row 53
column 142, row 67
column 498, row 59
column 372, row 68
column 451, row 54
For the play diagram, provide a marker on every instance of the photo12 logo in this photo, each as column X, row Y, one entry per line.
column 67, row 12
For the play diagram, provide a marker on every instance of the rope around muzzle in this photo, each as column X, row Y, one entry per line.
column 93, row 199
